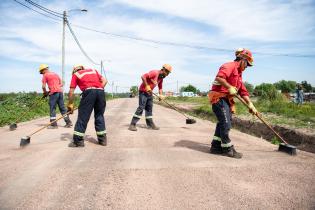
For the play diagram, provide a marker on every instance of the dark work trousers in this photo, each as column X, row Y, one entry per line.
column 145, row 103
column 223, row 113
column 54, row 100
column 92, row 99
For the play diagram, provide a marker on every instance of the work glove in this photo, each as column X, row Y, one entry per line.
column 70, row 108
column 252, row 108
column 232, row 90
column 45, row 94
column 161, row 97
column 148, row 89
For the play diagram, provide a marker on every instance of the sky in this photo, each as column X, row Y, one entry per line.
column 268, row 28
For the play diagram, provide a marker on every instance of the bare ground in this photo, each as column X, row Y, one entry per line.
column 166, row 169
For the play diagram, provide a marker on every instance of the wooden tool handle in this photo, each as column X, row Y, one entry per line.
column 261, row 119
column 45, row 126
column 172, row 106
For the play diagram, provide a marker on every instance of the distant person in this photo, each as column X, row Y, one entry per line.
column 299, row 94
column 92, row 84
column 149, row 81
column 55, row 94
column 228, row 82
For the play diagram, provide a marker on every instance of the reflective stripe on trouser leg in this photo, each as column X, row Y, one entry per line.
column 85, row 109
column 101, row 135
column 142, row 103
column 78, row 136
column 52, row 105
column 216, row 138
column 223, row 114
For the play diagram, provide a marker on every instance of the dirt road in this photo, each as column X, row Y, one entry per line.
column 166, row 169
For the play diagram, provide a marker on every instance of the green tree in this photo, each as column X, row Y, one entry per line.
column 307, row 87
column 189, row 88
column 249, row 87
column 267, row 91
column 134, row 90
column 285, row 86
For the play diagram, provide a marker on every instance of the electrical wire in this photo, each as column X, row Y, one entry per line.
column 44, row 9
column 157, row 41
column 188, row 45
column 47, row 16
column 79, row 45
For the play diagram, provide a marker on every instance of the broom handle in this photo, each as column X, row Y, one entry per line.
column 262, row 120
column 45, row 126
column 170, row 105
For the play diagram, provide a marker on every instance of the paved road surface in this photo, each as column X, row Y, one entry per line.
column 166, row 169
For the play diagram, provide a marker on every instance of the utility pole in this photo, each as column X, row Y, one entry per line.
column 63, row 48
column 177, row 89
column 113, row 89
column 64, row 21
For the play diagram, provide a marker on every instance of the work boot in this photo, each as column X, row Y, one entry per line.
column 231, row 152
column 76, row 144
column 153, row 127
column 52, row 127
column 216, row 147
column 68, row 124
column 102, row 140
column 151, row 124
column 132, row 127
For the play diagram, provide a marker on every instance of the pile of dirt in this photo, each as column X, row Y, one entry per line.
column 301, row 140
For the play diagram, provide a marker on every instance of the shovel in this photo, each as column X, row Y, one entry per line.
column 283, row 147
column 13, row 126
column 188, row 120
column 27, row 139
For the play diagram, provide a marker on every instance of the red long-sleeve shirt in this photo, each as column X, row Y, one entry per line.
column 231, row 73
column 153, row 79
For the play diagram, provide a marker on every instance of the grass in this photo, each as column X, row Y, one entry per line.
column 279, row 111
column 22, row 107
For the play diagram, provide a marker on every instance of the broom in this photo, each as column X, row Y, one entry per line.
column 283, row 147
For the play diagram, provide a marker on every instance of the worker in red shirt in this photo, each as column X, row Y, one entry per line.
column 92, row 84
column 149, row 81
column 228, row 82
column 55, row 95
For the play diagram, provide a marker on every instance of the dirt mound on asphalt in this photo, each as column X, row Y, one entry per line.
column 300, row 140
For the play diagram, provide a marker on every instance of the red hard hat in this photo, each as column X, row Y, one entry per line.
column 246, row 54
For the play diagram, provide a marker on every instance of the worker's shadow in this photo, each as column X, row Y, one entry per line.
column 66, row 137
column 193, row 145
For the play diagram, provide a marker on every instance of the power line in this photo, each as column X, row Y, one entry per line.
column 47, row 16
column 187, row 45
column 157, row 41
column 44, row 9
column 78, row 43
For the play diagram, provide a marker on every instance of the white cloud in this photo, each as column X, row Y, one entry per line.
column 28, row 37
column 263, row 20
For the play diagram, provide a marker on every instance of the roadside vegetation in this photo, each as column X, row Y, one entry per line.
column 26, row 106
column 276, row 107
